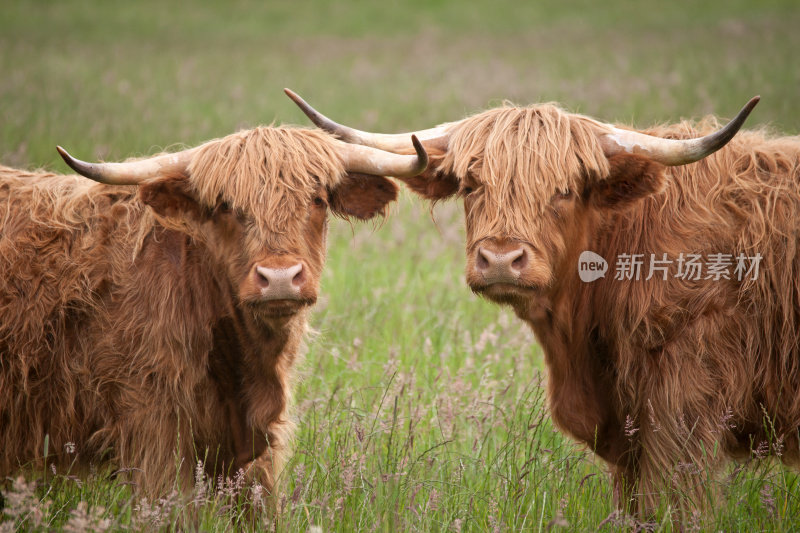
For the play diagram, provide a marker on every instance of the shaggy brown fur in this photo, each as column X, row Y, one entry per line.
column 129, row 324
column 652, row 375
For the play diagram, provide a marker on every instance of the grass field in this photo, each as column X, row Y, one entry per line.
column 421, row 406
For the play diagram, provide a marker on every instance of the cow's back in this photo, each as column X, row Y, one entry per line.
column 737, row 338
column 55, row 238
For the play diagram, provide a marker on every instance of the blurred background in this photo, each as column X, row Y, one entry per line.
column 113, row 79
column 402, row 340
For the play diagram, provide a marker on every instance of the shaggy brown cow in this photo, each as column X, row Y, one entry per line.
column 157, row 327
column 661, row 377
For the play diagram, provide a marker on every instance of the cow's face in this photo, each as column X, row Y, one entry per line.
column 521, row 243
column 273, row 265
column 530, row 182
column 258, row 201
column 263, row 215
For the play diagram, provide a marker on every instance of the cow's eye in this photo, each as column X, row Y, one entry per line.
column 318, row 201
column 466, row 191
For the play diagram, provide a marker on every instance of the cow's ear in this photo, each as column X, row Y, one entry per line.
column 433, row 184
column 171, row 197
column 631, row 177
column 362, row 196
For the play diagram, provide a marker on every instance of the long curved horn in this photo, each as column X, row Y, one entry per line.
column 433, row 138
column 132, row 172
column 368, row 160
column 673, row 152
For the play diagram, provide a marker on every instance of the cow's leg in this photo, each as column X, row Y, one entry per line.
column 153, row 440
column 660, row 468
column 674, row 464
column 677, row 431
column 272, row 429
column 625, row 483
column 266, row 470
column 247, row 442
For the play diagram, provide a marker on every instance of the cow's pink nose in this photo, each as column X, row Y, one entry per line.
column 500, row 267
column 280, row 283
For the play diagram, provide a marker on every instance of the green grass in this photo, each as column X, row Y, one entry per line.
column 421, row 406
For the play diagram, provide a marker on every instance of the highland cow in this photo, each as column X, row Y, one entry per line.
column 662, row 376
column 158, row 325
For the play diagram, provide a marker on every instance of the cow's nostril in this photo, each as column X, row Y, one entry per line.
column 299, row 278
column 261, row 278
column 521, row 261
column 482, row 261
